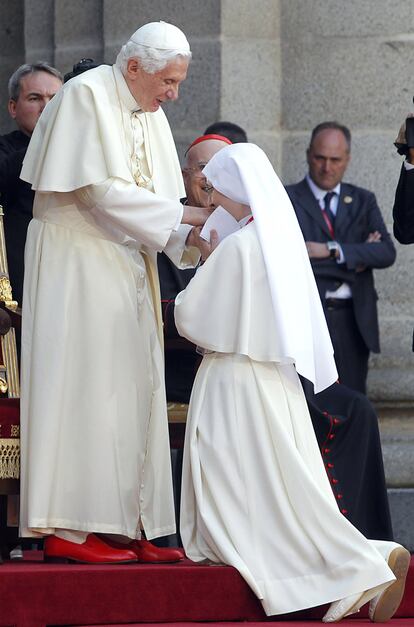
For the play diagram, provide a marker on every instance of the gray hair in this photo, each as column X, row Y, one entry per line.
column 152, row 60
column 24, row 70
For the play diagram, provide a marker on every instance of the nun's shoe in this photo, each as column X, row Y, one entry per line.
column 339, row 609
column 384, row 605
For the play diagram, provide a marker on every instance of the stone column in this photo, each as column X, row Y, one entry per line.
column 351, row 62
column 251, row 80
column 11, row 53
column 78, row 32
column 39, row 31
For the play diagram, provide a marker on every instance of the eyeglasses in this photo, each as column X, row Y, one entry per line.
column 197, row 168
column 208, row 187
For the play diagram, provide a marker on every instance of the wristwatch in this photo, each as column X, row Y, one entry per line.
column 333, row 247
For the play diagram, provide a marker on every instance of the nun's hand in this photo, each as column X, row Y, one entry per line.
column 205, row 248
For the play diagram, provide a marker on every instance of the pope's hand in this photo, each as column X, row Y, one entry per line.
column 195, row 215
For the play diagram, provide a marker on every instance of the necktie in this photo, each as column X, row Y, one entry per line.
column 327, row 213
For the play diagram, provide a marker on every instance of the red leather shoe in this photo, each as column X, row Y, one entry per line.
column 92, row 551
column 151, row 554
column 148, row 553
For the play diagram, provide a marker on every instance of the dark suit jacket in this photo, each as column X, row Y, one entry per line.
column 403, row 211
column 16, row 196
column 355, row 219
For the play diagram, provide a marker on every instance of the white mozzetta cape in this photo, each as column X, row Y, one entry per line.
column 227, row 305
column 65, row 154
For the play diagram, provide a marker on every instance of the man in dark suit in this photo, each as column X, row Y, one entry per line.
column 30, row 89
column 403, row 210
column 346, row 238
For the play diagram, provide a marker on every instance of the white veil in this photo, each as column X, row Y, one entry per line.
column 243, row 173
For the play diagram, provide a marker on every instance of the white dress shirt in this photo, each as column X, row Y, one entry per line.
column 344, row 290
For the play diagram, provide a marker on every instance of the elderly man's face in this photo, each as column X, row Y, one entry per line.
column 195, row 182
column 151, row 90
column 35, row 92
column 328, row 157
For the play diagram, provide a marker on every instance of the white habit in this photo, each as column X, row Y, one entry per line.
column 95, row 449
column 255, row 494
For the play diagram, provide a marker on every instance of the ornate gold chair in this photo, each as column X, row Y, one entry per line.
column 10, row 323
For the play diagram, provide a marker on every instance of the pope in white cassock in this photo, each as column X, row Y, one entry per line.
column 94, row 433
column 255, row 493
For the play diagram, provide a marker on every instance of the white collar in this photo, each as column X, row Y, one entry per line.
column 245, row 220
column 125, row 95
column 321, row 193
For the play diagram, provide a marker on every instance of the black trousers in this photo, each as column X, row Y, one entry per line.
column 351, row 352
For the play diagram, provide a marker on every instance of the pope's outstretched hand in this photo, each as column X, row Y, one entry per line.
column 195, row 215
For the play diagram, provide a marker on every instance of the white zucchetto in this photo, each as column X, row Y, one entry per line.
column 162, row 36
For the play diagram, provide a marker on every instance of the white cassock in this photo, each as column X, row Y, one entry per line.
column 95, row 448
column 255, row 494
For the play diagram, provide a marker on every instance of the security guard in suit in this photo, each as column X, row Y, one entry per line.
column 346, row 239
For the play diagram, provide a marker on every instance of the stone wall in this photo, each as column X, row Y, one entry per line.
column 350, row 61
column 277, row 67
column 12, row 52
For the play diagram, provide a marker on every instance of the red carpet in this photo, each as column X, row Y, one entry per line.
column 396, row 622
column 34, row 594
